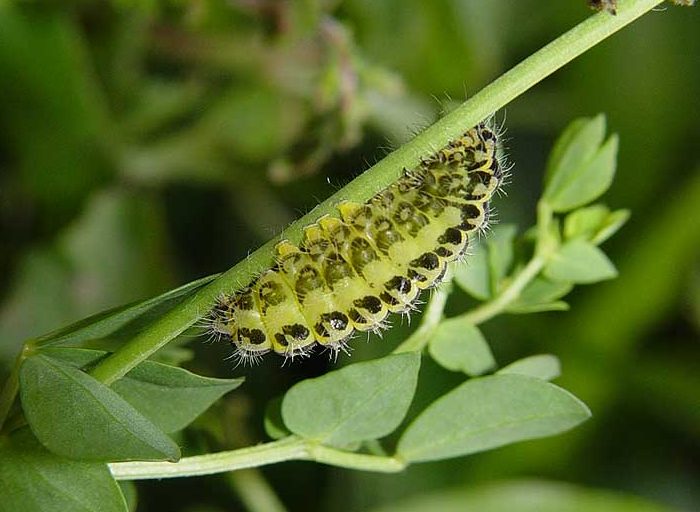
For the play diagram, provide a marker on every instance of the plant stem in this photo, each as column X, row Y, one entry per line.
column 433, row 313
column 431, row 318
column 359, row 461
column 9, row 390
column 254, row 491
column 289, row 448
column 495, row 306
column 493, row 97
column 545, row 246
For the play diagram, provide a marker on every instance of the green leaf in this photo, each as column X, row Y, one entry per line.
column 612, row 224
column 130, row 493
column 78, row 417
column 359, row 402
column 594, row 223
column 35, row 480
column 472, row 276
column 579, row 261
column 483, row 271
column 541, row 290
column 500, row 252
column 170, row 397
column 525, row 496
column 108, row 322
column 540, row 366
column 458, row 345
column 541, row 294
column 543, row 307
column 488, row 412
column 273, row 422
column 578, row 142
column 584, row 222
column 580, row 169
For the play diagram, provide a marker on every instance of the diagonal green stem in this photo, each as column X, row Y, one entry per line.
column 498, row 304
column 11, row 387
column 493, row 97
column 544, row 248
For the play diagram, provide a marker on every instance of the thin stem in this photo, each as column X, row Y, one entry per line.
column 498, row 304
column 493, row 97
column 290, row 448
column 546, row 245
column 11, row 387
column 254, row 491
column 431, row 318
column 359, row 461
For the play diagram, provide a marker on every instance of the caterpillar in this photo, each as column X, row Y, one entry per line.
column 352, row 270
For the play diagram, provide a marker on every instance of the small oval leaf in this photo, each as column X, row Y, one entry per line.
column 612, row 224
column 584, row 222
column 359, row 402
column 458, row 345
column 540, row 366
column 541, row 294
column 78, row 417
column 580, row 169
column 594, row 223
column 578, row 142
column 581, row 262
column 488, row 412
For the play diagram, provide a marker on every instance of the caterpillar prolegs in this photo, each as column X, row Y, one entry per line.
column 351, row 271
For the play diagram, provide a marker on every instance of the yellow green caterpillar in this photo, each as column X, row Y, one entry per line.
column 351, row 271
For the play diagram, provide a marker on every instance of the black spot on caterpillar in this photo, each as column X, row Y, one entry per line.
column 604, row 5
column 351, row 271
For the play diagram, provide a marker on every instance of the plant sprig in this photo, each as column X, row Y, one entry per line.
column 490, row 99
column 327, row 419
column 111, row 388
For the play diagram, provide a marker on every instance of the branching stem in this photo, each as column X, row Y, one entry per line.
column 289, row 448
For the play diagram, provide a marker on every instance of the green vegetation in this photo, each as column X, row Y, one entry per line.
column 145, row 145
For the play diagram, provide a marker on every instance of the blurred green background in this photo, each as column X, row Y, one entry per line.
column 146, row 144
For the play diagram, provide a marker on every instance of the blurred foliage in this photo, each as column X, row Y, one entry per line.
column 145, row 144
